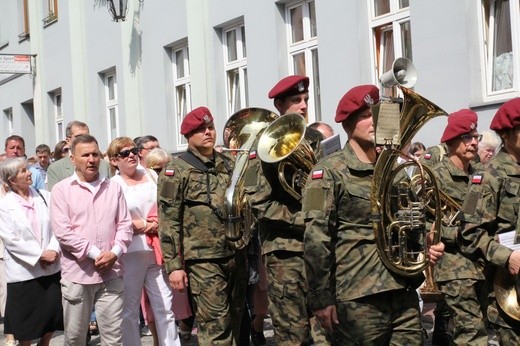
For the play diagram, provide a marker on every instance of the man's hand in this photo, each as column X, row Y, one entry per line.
column 435, row 252
column 105, row 261
column 514, row 262
column 178, row 280
column 48, row 257
column 327, row 316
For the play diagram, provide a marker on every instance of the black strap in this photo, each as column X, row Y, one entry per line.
column 44, row 201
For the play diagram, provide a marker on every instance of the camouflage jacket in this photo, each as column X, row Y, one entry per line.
column 341, row 257
column 491, row 207
column 280, row 224
column 188, row 220
column 453, row 265
column 433, row 155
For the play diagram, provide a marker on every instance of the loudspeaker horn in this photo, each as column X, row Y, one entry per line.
column 403, row 72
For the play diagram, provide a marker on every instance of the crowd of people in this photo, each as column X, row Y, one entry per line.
column 109, row 242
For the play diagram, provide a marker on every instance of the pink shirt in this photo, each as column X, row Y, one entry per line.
column 86, row 218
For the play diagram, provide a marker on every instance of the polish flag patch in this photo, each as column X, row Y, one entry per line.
column 477, row 179
column 317, row 174
column 169, row 172
column 427, row 156
column 252, row 155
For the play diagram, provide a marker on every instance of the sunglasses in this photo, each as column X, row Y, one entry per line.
column 126, row 153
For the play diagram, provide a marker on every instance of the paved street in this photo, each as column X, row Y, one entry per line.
column 427, row 320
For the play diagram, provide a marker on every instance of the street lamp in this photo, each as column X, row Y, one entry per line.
column 118, row 10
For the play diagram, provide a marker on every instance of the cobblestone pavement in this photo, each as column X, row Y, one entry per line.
column 427, row 321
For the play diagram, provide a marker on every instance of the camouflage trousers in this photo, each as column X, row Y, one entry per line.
column 218, row 290
column 507, row 329
column 287, row 290
column 466, row 300
column 387, row 318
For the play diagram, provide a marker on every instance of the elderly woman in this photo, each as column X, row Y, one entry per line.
column 141, row 267
column 488, row 146
column 31, row 256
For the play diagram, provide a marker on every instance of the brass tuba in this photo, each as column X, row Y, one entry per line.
column 506, row 287
column 284, row 140
column 399, row 205
column 240, row 134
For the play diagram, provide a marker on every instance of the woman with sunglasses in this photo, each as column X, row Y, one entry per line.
column 141, row 267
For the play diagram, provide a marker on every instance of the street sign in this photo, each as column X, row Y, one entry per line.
column 15, row 63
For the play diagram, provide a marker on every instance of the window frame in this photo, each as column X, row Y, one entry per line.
column 111, row 104
column 309, row 47
column 182, row 107
column 8, row 113
column 237, row 66
column 486, row 37
column 23, row 7
column 50, row 8
column 391, row 21
column 57, row 107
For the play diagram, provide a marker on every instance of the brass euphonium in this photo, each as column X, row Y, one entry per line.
column 398, row 204
column 240, row 133
column 284, row 140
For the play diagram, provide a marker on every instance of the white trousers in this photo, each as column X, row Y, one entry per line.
column 78, row 300
column 141, row 271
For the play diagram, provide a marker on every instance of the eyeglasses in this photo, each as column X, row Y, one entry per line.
column 126, row 153
column 467, row 138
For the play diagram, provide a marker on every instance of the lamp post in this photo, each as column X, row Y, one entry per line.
column 118, row 9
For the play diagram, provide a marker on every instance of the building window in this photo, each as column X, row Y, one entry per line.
column 58, row 115
column 111, row 105
column 302, row 37
column 9, row 120
column 501, row 45
column 235, row 62
column 23, row 20
column 50, row 8
column 392, row 37
column 182, row 87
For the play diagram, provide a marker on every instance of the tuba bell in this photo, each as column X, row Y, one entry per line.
column 240, row 133
column 399, row 205
column 284, row 141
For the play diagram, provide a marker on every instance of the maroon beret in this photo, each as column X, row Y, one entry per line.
column 459, row 123
column 507, row 117
column 194, row 119
column 289, row 86
column 357, row 99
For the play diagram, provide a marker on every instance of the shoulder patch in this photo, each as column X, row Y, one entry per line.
column 317, row 174
column 427, row 156
column 252, row 155
column 169, row 172
column 476, row 179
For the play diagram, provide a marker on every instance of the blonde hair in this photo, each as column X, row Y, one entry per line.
column 156, row 158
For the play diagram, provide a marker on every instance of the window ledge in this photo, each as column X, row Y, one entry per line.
column 495, row 100
column 4, row 44
column 23, row 36
column 50, row 19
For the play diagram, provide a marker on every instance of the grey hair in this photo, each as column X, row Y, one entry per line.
column 489, row 138
column 9, row 168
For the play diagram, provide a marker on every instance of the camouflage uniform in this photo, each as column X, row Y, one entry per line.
column 460, row 279
column 189, row 225
column 375, row 306
column 281, row 231
column 490, row 208
column 434, row 155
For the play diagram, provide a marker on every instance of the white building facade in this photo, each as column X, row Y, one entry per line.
column 141, row 76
